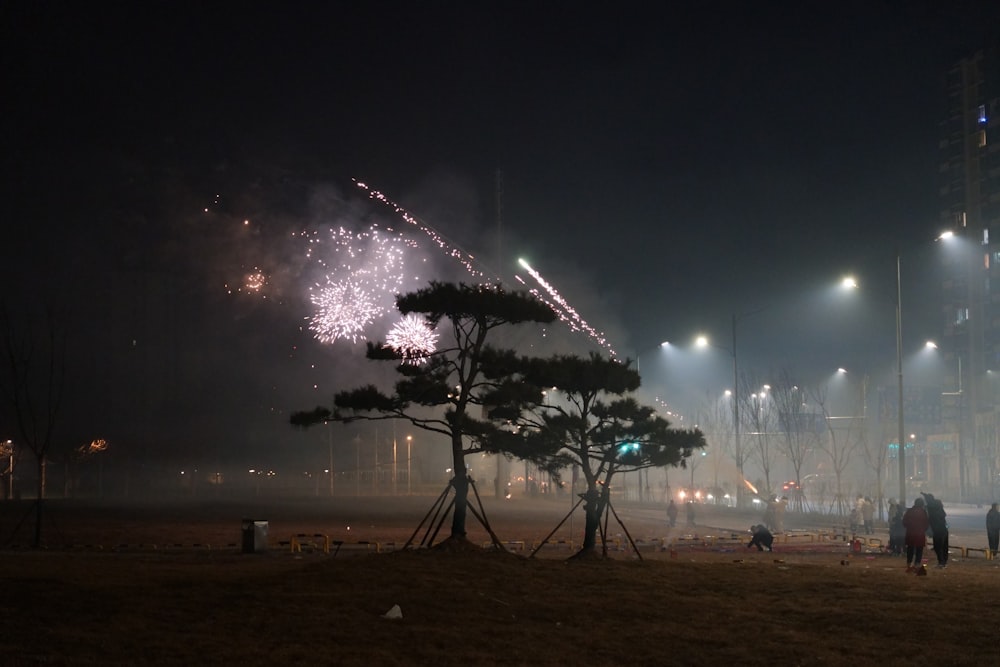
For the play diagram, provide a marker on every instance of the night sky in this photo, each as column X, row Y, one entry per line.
column 664, row 168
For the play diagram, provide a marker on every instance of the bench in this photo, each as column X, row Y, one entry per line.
column 967, row 551
column 302, row 539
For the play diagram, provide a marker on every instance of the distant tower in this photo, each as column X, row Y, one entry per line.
column 970, row 206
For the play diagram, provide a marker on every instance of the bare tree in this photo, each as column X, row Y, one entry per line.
column 799, row 428
column 760, row 422
column 739, row 452
column 873, row 445
column 843, row 434
column 715, row 420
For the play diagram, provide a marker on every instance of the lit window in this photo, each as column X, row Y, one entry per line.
column 982, row 138
column 982, row 114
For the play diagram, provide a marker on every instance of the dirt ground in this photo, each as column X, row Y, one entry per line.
column 167, row 584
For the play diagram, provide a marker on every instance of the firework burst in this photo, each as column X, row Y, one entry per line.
column 363, row 271
column 343, row 310
column 413, row 339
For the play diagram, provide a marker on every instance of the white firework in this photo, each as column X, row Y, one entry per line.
column 413, row 339
column 364, row 270
column 343, row 310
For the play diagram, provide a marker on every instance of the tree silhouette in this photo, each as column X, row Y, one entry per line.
column 442, row 393
column 800, row 428
column 587, row 417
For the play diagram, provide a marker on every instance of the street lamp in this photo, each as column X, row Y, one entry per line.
column 960, row 396
column 851, row 283
column 899, row 385
column 737, row 445
column 703, row 341
column 329, row 434
column 975, row 307
column 664, row 344
column 409, row 442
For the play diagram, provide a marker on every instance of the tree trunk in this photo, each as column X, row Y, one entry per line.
column 461, row 484
column 593, row 508
column 38, row 502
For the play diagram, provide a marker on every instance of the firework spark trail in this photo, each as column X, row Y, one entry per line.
column 465, row 259
column 555, row 300
column 565, row 311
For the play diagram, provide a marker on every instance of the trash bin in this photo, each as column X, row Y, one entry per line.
column 254, row 536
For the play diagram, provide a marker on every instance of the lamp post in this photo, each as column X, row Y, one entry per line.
column 329, row 433
column 850, row 283
column 664, row 344
column 409, row 487
column 901, row 433
column 976, row 296
column 737, row 443
column 959, row 396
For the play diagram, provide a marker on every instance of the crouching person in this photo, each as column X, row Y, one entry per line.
column 761, row 537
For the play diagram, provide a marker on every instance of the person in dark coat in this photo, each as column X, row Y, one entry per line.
column 761, row 538
column 993, row 528
column 939, row 528
column 897, row 533
column 672, row 513
column 916, row 523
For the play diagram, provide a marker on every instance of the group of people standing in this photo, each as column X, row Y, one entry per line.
column 862, row 518
column 927, row 516
column 909, row 529
column 672, row 513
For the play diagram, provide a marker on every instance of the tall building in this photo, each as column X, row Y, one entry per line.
column 969, row 462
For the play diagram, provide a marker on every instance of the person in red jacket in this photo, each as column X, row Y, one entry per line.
column 916, row 522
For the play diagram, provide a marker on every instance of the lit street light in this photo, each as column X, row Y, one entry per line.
column 960, row 395
column 975, row 308
column 737, row 445
column 409, row 442
column 851, row 283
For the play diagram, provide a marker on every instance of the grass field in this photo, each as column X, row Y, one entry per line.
column 184, row 605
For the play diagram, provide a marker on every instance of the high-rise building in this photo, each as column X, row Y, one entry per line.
column 970, row 206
